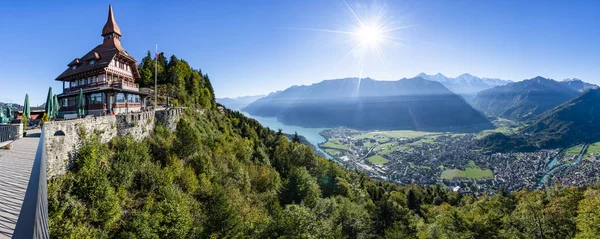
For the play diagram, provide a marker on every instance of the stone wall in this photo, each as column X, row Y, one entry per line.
column 63, row 138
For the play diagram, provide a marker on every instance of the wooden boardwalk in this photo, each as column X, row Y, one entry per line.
column 15, row 169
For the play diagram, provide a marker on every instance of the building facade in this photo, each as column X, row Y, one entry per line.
column 107, row 76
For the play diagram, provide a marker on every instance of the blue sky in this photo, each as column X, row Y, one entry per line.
column 256, row 47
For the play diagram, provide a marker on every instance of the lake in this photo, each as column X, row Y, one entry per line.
column 311, row 134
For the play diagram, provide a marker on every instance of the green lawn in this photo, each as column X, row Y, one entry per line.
column 394, row 134
column 377, row 159
column 332, row 152
column 386, row 148
column 573, row 151
column 419, row 166
column 334, row 144
column 592, row 149
column 471, row 172
column 486, row 132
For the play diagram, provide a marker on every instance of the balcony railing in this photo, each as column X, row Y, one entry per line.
column 92, row 85
column 119, row 84
column 33, row 218
column 9, row 132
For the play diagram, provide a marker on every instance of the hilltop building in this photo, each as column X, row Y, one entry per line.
column 107, row 76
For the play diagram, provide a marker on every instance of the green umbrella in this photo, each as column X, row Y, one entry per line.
column 26, row 108
column 2, row 117
column 80, row 104
column 8, row 113
column 56, row 106
column 49, row 105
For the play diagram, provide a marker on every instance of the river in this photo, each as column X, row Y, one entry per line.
column 311, row 134
column 548, row 175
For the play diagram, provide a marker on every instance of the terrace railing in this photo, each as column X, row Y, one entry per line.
column 9, row 132
column 33, row 218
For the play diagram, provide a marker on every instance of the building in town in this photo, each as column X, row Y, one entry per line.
column 106, row 75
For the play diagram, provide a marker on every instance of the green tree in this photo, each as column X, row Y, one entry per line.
column 588, row 215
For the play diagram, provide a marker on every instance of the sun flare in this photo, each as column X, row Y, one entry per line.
column 369, row 35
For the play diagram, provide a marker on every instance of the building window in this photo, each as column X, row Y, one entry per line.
column 73, row 67
column 92, row 62
column 133, row 98
column 120, row 98
column 65, row 102
column 96, row 98
column 72, row 101
column 74, row 83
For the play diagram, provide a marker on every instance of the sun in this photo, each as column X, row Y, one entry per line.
column 369, row 35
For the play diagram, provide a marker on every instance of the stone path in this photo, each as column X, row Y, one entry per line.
column 15, row 168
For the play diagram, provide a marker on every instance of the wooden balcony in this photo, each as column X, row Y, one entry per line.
column 76, row 88
column 119, row 84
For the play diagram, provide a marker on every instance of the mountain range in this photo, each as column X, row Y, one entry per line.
column 573, row 122
column 413, row 103
column 465, row 84
column 238, row 103
column 526, row 99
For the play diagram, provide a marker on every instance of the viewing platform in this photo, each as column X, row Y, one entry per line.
column 15, row 170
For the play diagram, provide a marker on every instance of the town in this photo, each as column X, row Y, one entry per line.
column 452, row 160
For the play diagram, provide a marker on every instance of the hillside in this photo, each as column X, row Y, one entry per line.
column 571, row 123
column 237, row 103
column 523, row 100
column 369, row 104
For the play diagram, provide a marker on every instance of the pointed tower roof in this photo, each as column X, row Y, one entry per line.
column 111, row 25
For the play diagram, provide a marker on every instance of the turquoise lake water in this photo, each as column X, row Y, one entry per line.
column 311, row 134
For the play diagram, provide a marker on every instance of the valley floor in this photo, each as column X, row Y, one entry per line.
column 452, row 160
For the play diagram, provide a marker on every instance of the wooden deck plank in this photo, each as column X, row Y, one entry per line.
column 15, row 168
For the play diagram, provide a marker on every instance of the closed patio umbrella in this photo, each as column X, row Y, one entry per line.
column 3, row 118
column 49, row 103
column 9, row 112
column 80, row 104
column 56, row 106
column 26, row 107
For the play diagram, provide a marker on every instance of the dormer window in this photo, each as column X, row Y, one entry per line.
column 92, row 62
column 74, row 67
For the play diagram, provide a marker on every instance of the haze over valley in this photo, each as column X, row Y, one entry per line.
column 416, row 130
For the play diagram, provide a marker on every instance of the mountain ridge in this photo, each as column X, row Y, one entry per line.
column 413, row 103
column 523, row 100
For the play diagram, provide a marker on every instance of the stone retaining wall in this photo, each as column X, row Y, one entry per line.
column 63, row 138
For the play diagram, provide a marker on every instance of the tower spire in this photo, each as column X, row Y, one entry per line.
column 111, row 26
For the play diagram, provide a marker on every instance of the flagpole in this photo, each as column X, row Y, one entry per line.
column 155, row 77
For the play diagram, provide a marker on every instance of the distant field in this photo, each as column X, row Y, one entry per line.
column 377, row 159
column 387, row 148
column 471, row 172
column 486, row 132
column 419, row 166
column 573, row 151
column 592, row 149
column 332, row 152
column 334, row 144
column 394, row 134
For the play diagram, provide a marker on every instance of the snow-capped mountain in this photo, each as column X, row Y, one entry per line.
column 578, row 85
column 465, row 84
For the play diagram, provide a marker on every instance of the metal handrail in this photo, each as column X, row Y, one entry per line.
column 33, row 218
